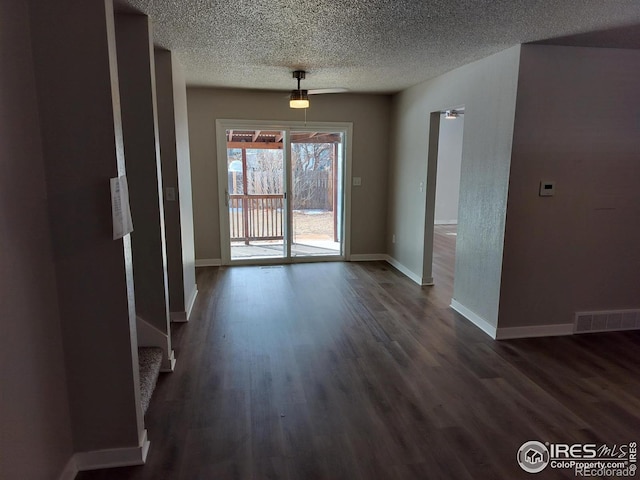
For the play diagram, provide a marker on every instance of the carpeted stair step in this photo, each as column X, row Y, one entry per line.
column 150, row 359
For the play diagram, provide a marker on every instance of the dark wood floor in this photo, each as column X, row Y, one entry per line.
column 351, row 371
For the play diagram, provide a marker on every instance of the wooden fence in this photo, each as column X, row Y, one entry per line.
column 313, row 190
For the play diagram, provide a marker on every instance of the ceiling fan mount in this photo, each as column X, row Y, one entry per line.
column 300, row 98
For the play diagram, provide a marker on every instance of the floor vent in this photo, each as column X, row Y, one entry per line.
column 607, row 321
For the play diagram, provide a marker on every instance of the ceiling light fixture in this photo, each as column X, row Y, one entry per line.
column 450, row 114
column 299, row 98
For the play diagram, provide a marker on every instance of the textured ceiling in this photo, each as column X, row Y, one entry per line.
column 364, row 45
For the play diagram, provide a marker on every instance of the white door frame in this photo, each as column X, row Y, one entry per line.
column 435, row 118
column 222, row 125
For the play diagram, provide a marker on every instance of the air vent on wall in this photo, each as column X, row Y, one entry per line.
column 607, row 321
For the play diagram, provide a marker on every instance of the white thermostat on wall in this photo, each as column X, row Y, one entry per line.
column 547, row 189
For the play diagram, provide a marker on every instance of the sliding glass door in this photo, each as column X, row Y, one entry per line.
column 283, row 193
column 316, row 189
column 256, row 194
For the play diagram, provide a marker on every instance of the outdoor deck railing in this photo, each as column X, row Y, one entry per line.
column 256, row 217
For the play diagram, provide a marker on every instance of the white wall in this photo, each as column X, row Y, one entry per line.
column 487, row 89
column 448, row 176
column 577, row 123
column 370, row 117
column 35, row 429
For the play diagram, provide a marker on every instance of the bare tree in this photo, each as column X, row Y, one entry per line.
column 311, row 164
column 264, row 176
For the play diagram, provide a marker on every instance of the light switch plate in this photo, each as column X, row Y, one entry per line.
column 357, row 181
column 547, row 189
column 170, row 194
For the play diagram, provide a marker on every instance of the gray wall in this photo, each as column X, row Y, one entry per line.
column 487, row 89
column 370, row 117
column 35, row 429
column 176, row 174
column 448, row 176
column 577, row 124
column 76, row 77
column 184, row 181
column 136, row 73
column 168, row 151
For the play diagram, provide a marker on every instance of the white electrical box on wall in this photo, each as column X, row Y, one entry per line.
column 547, row 189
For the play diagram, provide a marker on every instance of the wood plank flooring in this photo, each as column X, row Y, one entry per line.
column 351, row 371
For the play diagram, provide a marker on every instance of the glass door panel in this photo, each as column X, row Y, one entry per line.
column 256, row 194
column 316, row 192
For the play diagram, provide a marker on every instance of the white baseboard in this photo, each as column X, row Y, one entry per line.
column 368, row 257
column 533, row 331
column 208, row 262
column 505, row 333
column 181, row 317
column 192, row 302
column 169, row 365
column 474, row 318
column 114, row 457
column 216, row 262
column 373, row 257
column 416, row 278
column 70, row 470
